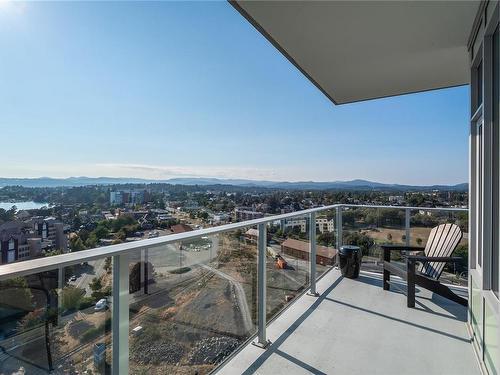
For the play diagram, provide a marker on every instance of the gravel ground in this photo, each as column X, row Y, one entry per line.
column 212, row 350
column 157, row 352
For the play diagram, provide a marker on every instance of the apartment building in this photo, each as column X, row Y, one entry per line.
column 246, row 213
column 18, row 242
column 51, row 233
column 132, row 197
column 323, row 224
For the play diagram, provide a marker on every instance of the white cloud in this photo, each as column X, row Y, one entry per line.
column 163, row 171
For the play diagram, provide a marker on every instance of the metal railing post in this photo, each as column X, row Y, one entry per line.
column 312, row 252
column 261, row 287
column 145, row 270
column 60, row 286
column 120, row 314
column 339, row 227
column 407, row 226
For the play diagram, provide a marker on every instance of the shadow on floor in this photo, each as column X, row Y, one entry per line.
column 274, row 347
column 455, row 311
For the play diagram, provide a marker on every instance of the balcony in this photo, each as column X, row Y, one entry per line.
column 195, row 302
column 355, row 327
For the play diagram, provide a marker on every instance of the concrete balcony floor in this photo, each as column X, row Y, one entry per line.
column 355, row 327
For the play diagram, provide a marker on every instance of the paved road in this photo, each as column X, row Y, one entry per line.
column 84, row 280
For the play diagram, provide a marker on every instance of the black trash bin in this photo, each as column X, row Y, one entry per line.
column 350, row 261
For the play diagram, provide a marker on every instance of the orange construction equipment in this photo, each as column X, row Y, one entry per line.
column 280, row 262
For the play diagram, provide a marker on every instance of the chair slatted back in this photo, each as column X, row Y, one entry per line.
column 442, row 241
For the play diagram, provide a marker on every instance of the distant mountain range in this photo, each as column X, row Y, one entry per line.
column 302, row 185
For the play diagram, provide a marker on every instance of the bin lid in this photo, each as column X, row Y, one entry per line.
column 347, row 249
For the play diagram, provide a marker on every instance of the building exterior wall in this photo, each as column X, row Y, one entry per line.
column 247, row 214
column 484, row 181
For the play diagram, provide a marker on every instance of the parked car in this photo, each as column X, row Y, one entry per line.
column 102, row 304
column 72, row 278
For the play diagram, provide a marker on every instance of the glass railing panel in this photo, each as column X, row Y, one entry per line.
column 199, row 303
column 369, row 228
column 422, row 222
column 326, row 240
column 288, row 267
column 57, row 321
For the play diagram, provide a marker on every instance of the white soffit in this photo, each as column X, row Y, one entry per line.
column 359, row 50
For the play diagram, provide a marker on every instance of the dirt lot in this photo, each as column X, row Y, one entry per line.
column 380, row 235
column 193, row 320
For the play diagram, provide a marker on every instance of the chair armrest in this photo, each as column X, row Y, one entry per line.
column 419, row 258
column 402, row 248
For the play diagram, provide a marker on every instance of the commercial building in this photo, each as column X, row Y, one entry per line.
column 302, row 250
column 180, row 228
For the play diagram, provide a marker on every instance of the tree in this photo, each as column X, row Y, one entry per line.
column 95, row 284
column 92, row 241
column 71, row 297
column 7, row 215
column 419, row 241
column 32, row 319
column 203, row 215
column 389, row 237
column 326, row 239
column 98, row 289
column 76, row 222
column 18, row 291
column 107, row 264
column 101, row 231
column 359, row 239
column 462, row 252
column 76, row 244
column 121, row 221
column 53, row 252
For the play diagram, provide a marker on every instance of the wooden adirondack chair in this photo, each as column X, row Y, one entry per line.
column 441, row 243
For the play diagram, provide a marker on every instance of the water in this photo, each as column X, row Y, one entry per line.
column 28, row 205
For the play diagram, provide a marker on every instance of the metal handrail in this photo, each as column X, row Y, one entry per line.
column 453, row 209
column 120, row 254
column 54, row 262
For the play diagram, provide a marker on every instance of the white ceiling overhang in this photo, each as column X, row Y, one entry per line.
column 359, row 50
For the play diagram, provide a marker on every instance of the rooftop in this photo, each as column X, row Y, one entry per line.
column 327, row 252
column 180, row 228
column 355, row 327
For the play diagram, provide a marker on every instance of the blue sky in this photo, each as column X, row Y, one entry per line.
column 160, row 90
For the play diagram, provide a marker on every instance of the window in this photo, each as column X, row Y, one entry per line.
column 479, row 192
column 45, row 230
column 11, row 253
column 479, row 81
column 496, row 163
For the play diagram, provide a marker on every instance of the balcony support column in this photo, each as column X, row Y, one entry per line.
column 312, row 253
column 261, row 341
column 120, row 314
